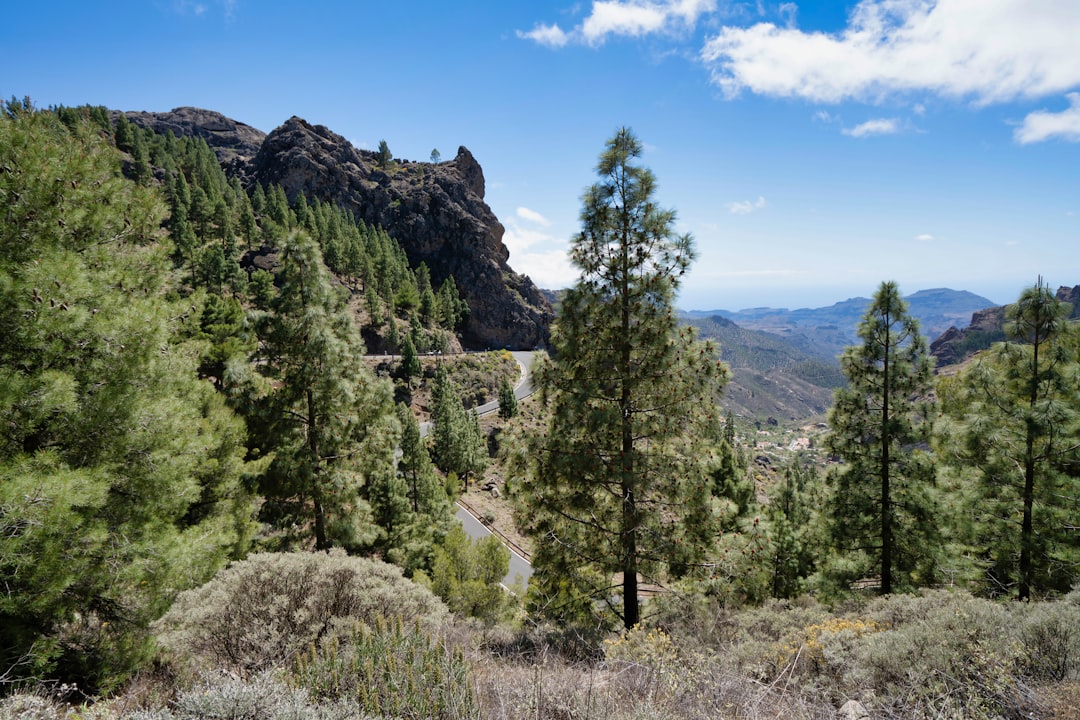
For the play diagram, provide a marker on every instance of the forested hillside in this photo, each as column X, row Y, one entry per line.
column 181, row 381
column 213, row 505
column 772, row 376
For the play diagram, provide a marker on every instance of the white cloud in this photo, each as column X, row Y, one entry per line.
column 1044, row 125
column 538, row 255
column 615, row 18
column 881, row 126
column 989, row 51
column 550, row 270
column 925, row 237
column 518, row 239
column 632, row 18
column 746, row 207
column 551, row 36
column 532, row 216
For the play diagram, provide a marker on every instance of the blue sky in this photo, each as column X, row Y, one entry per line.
column 813, row 149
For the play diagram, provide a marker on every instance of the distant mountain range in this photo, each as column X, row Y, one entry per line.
column 826, row 331
column 784, row 362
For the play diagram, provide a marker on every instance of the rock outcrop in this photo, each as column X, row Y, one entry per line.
column 435, row 211
column 234, row 143
column 987, row 327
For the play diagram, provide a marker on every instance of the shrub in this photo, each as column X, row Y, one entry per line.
column 1050, row 640
column 647, row 662
column 944, row 655
column 263, row 697
column 389, row 669
column 266, row 609
column 941, row 654
column 468, row 576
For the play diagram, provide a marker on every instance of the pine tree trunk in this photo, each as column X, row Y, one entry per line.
column 316, row 486
column 631, row 613
column 1027, row 526
column 886, row 510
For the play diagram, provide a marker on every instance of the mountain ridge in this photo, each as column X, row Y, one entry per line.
column 831, row 328
column 435, row 211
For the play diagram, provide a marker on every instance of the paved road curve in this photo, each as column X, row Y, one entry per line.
column 520, row 569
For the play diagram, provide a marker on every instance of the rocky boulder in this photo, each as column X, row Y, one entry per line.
column 435, row 211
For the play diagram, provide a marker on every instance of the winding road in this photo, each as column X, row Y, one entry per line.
column 520, row 569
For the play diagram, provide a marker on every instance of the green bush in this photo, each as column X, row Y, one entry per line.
column 467, row 574
column 942, row 655
column 389, row 669
column 267, row 609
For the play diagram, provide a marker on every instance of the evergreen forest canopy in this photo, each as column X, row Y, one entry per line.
column 164, row 406
column 169, row 406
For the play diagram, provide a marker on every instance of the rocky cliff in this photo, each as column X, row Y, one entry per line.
column 436, row 211
column 986, row 327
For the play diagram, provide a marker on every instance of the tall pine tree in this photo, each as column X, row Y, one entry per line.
column 881, row 516
column 617, row 489
column 1015, row 422
column 329, row 421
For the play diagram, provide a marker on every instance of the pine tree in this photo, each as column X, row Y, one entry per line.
column 790, row 515
column 424, row 490
column 428, row 306
column 429, row 504
column 332, row 426
column 508, row 406
column 881, row 511
column 458, row 443
column 453, row 310
column 617, row 484
column 1015, row 422
column 410, row 360
column 120, row 470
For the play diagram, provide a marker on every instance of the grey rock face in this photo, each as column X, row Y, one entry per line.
column 436, row 211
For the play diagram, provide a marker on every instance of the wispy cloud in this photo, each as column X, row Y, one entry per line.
column 745, row 207
column 1045, row 125
column 881, row 126
column 789, row 11
column 627, row 18
column 990, row 51
column 188, row 7
column 199, row 8
column 551, row 36
column 532, row 216
column 925, row 237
